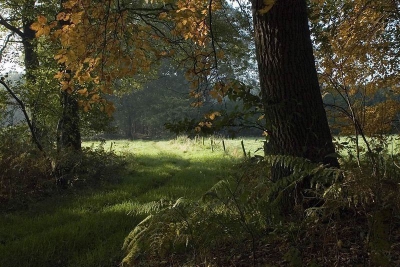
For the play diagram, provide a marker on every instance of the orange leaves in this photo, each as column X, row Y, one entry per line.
column 212, row 115
column 220, row 90
column 357, row 47
column 42, row 20
column 83, row 92
column 100, row 44
column 163, row 15
column 76, row 18
column 67, row 86
column 62, row 16
column 41, row 26
column 379, row 117
column 70, row 4
column 190, row 21
column 207, row 123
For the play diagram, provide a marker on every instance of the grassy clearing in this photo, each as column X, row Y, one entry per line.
column 87, row 228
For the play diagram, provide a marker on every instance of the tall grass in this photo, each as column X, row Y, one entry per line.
column 87, row 228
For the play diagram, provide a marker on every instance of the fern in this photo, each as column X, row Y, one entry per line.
column 300, row 168
column 234, row 211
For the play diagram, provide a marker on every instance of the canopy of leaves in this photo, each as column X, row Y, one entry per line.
column 357, row 46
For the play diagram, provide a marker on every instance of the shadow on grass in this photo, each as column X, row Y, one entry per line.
column 88, row 228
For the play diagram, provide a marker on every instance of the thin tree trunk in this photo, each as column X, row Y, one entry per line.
column 31, row 63
column 68, row 130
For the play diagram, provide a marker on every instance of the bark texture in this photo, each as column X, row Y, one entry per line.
column 68, row 130
column 294, row 110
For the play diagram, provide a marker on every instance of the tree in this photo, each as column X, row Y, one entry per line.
column 357, row 48
column 33, row 88
column 296, row 119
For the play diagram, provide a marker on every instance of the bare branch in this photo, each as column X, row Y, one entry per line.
column 22, row 107
column 10, row 27
column 6, row 41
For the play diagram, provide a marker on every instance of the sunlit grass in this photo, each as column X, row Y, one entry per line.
column 87, row 228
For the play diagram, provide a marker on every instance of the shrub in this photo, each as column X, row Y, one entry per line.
column 25, row 172
column 28, row 175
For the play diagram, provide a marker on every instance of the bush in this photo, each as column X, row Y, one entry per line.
column 28, row 175
column 245, row 222
column 25, row 172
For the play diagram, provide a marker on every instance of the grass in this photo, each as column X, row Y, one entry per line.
column 87, row 228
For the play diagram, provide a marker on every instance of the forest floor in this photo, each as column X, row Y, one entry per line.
column 87, row 227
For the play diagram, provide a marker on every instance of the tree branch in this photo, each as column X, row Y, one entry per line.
column 11, row 27
column 22, row 107
column 5, row 44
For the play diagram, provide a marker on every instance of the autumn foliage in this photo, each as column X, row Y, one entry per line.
column 356, row 44
column 102, row 42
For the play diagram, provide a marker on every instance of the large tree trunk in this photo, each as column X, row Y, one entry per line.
column 296, row 119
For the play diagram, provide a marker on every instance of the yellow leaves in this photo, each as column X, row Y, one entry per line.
column 67, row 86
column 41, row 27
column 100, row 45
column 70, row 4
column 196, row 104
column 268, row 4
column 61, row 58
column 212, row 115
column 184, row 8
column 42, row 20
column 163, row 15
column 76, row 18
column 83, row 77
column 219, row 91
column 379, row 117
column 190, row 21
column 206, row 124
column 95, row 100
column 62, row 16
column 85, row 105
column 194, row 94
column 91, row 62
column 59, row 75
column 83, row 92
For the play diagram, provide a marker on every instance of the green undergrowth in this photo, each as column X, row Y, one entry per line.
column 344, row 217
column 87, row 227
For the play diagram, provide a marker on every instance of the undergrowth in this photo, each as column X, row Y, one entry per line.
column 27, row 175
column 84, row 228
column 346, row 217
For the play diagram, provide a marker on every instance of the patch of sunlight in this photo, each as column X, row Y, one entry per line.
column 126, row 207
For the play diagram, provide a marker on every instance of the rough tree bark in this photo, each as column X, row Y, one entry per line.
column 296, row 119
